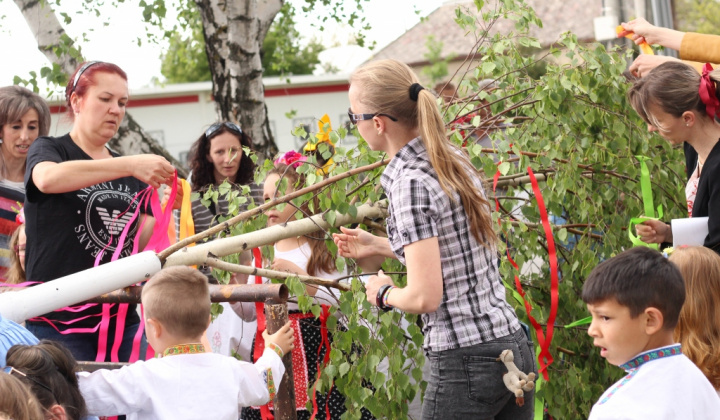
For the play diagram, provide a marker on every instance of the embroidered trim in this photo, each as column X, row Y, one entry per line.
column 193, row 348
column 274, row 347
column 268, row 378
column 633, row 366
column 652, row 355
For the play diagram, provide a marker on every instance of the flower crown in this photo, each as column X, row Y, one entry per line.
column 291, row 158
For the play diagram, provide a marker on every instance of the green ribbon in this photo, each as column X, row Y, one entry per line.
column 647, row 197
column 583, row 321
column 539, row 401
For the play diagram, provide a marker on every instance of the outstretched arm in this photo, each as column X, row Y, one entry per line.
column 56, row 178
column 424, row 289
column 646, row 32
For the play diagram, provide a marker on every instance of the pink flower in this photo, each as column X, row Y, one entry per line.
column 291, row 158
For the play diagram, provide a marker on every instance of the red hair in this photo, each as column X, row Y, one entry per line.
column 84, row 76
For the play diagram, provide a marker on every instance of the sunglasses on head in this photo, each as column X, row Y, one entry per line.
column 229, row 125
column 9, row 370
column 354, row 118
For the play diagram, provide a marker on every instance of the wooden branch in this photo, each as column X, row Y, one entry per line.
column 260, row 209
column 273, row 274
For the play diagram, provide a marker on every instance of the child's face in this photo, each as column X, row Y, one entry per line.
column 619, row 336
column 283, row 212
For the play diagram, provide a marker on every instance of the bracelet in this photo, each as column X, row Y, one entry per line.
column 386, row 296
column 381, row 299
column 274, row 347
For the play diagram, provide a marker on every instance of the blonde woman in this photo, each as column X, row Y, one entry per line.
column 698, row 328
column 440, row 227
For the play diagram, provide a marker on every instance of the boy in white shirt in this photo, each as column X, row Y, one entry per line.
column 185, row 382
column 635, row 300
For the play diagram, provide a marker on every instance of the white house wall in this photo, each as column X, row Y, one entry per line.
column 176, row 115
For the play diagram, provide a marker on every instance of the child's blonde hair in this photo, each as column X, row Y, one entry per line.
column 17, row 402
column 698, row 329
column 179, row 298
column 15, row 274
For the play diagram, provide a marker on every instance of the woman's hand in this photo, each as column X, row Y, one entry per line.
column 645, row 62
column 654, row 232
column 646, row 32
column 355, row 243
column 151, row 169
column 177, row 204
column 374, row 284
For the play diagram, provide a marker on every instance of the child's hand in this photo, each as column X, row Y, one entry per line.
column 284, row 337
column 284, row 265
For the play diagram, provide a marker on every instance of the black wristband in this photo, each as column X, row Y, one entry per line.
column 380, row 295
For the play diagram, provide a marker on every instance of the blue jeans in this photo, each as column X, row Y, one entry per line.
column 84, row 346
column 467, row 383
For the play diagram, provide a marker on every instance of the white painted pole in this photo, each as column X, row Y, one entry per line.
column 75, row 288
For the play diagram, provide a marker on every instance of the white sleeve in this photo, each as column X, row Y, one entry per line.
column 113, row 392
column 261, row 380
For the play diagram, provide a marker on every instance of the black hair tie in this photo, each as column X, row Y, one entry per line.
column 415, row 89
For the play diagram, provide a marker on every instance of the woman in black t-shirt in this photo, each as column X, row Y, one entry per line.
column 79, row 197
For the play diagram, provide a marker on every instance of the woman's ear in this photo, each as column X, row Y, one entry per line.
column 75, row 102
column 57, row 412
column 689, row 118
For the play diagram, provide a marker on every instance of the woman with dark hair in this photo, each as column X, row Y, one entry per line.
column 49, row 369
column 220, row 154
column 78, row 180
column 682, row 106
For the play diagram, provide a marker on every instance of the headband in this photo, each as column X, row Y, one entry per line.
column 81, row 71
column 415, row 89
column 291, row 158
column 707, row 92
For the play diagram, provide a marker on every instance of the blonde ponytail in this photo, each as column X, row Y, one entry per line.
column 386, row 88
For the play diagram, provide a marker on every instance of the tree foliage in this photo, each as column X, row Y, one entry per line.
column 282, row 52
column 697, row 16
column 573, row 126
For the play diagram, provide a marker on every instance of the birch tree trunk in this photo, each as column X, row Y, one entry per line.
column 60, row 50
column 234, row 32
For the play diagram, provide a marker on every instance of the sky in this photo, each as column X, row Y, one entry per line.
column 117, row 41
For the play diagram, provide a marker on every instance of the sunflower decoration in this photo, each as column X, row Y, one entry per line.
column 313, row 149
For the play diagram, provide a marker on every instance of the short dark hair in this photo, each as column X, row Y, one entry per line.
column 178, row 297
column 638, row 278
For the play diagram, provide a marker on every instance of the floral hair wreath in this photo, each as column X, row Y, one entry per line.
column 291, row 158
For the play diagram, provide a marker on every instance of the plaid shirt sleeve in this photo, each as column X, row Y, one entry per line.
column 414, row 211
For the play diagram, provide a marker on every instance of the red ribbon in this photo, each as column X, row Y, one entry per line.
column 707, row 92
column 259, row 341
column 326, row 343
column 544, row 340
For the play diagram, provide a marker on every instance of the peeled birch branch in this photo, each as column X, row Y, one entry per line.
column 274, row 274
column 234, row 244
